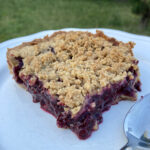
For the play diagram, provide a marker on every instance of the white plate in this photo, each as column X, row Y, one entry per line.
column 24, row 126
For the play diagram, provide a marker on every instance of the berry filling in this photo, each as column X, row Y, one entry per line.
column 90, row 115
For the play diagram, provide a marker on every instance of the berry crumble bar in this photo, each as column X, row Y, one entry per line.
column 76, row 76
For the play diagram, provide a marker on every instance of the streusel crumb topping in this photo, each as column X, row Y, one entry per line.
column 74, row 64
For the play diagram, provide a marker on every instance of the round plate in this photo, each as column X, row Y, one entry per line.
column 23, row 125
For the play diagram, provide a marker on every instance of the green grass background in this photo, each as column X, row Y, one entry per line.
column 23, row 17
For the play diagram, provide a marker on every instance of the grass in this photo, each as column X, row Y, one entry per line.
column 23, row 17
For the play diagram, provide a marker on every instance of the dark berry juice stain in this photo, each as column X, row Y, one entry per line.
column 52, row 50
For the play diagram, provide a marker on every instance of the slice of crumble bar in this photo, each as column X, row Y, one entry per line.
column 76, row 76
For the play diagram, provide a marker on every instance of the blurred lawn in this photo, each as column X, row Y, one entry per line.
column 23, row 17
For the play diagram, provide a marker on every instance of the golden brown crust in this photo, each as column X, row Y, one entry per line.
column 74, row 64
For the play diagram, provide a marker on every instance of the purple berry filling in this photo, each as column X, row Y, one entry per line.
column 17, row 69
column 90, row 115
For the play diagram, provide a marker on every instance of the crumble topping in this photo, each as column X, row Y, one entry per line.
column 74, row 64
